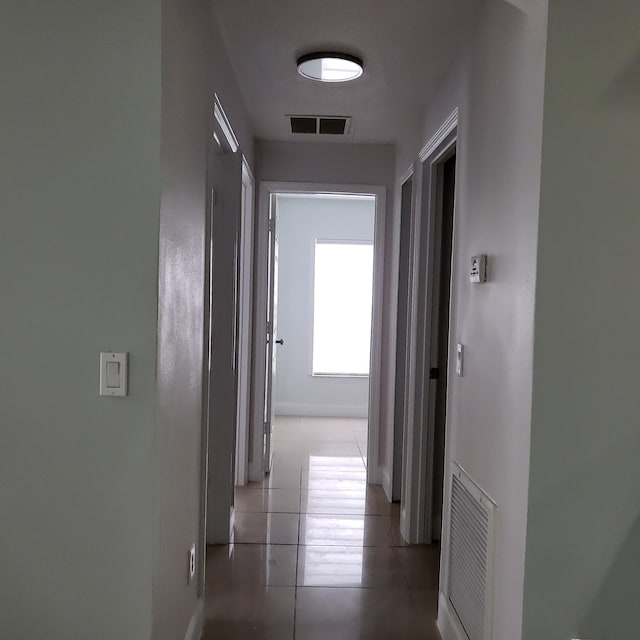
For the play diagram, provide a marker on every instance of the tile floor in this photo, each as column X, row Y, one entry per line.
column 317, row 552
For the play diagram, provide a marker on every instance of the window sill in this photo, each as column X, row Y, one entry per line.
column 339, row 375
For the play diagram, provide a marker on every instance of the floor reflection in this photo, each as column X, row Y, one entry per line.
column 317, row 552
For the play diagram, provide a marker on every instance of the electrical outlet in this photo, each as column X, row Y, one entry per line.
column 192, row 563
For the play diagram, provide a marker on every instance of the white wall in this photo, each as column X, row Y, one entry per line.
column 497, row 85
column 195, row 66
column 301, row 220
column 79, row 201
column 583, row 540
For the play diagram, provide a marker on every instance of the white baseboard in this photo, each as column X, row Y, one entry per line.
column 321, row 410
column 448, row 624
column 387, row 483
column 196, row 624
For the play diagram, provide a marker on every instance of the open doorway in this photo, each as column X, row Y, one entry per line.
column 334, row 236
column 322, row 313
column 428, row 345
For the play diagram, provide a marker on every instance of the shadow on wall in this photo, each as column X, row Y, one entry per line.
column 624, row 91
column 615, row 611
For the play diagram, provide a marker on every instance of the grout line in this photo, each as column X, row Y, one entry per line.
column 295, row 588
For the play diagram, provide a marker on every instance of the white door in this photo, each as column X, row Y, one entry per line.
column 221, row 335
column 271, row 337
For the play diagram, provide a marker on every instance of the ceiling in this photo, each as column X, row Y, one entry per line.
column 406, row 45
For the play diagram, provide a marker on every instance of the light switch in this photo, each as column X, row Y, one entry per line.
column 460, row 359
column 113, row 374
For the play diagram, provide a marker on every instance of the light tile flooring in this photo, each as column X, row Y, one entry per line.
column 317, row 552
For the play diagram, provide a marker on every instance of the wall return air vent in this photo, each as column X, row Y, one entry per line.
column 471, row 555
column 320, row 125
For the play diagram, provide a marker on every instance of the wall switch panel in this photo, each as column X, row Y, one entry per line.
column 113, row 373
column 478, row 273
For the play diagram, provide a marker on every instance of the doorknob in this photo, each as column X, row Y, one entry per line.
column 281, row 341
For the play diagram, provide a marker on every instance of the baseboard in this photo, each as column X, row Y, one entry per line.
column 387, row 483
column 448, row 624
column 196, row 624
column 320, row 410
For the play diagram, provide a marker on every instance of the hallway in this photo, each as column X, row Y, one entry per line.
column 317, row 553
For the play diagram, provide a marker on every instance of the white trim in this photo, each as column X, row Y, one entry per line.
column 448, row 624
column 408, row 173
column 225, row 125
column 440, row 135
column 320, row 410
column 524, row 5
column 246, row 168
column 396, row 457
column 266, row 190
column 245, row 325
column 415, row 520
column 387, row 483
column 196, row 624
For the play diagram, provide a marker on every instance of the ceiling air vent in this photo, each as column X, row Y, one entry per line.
column 321, row 125
column 301, row 124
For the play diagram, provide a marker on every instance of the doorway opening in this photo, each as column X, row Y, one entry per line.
column 332, row 293
column 427, row 345
column 320, row 320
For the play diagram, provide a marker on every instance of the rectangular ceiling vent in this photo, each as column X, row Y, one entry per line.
column 470, row 556
column 321, row 125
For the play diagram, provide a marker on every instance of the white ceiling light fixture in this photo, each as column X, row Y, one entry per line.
column 330, row 66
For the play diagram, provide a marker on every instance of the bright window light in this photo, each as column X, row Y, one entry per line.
column 343, row 288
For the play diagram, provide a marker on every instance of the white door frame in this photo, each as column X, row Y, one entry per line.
column 392, row 482
column 415, row 509
column 245, row 325
column 219, row 417
column 267, row 189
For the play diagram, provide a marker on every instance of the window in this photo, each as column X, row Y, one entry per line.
column 343, row 289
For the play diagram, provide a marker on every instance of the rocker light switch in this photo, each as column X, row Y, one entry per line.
column 113, row 374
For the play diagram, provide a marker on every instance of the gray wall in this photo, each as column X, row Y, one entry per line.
column 300, row 221
column 79, row 200
column 584, row 502
column 194, row 66
column 497, row 84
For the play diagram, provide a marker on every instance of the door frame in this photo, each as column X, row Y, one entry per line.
column 245, row 333
column 419, row 428
column 392, row 482
column 266, row 191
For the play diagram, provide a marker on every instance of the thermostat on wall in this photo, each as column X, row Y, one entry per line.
column 478, row 271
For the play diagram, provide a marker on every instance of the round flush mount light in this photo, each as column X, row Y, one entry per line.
column 325, row 66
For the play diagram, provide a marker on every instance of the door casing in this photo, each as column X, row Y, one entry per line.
column 267, row 191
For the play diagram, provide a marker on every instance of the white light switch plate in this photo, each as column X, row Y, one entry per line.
column 113, row 373
column 460, row 359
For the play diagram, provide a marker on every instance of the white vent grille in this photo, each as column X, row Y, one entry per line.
column 470, row 557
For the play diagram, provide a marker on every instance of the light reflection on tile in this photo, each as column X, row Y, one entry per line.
column 330, row 566
column 266, row 528
column 316, row 526
column 267, row 500
column 346, row 530
column 251, row 565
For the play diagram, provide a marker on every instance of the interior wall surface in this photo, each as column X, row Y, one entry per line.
column 584, row 500
column 342, row 163
column 194, row 66
column 302, row 220
column 79, row 203
column 497, row 84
